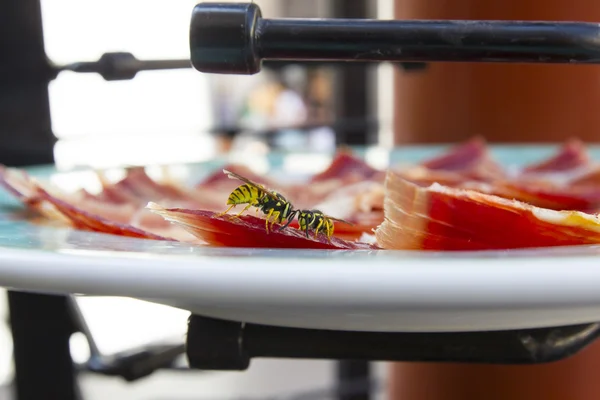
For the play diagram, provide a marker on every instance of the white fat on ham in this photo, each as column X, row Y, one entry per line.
column 346, row 201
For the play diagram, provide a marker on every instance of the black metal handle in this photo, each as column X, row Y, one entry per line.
column 214, row 344
column 234, row 38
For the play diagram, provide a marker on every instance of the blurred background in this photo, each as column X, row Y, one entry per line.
column 185, row 116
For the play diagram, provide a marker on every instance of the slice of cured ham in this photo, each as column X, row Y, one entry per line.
column 564, row 181
column 467, row 162
column 348, row 168
column 568, row 180
column 83, row 220
column 81, row 210
column 443, row 218
column 247, row 231
column 543, row 194
column 571, row 156
column 471, row 159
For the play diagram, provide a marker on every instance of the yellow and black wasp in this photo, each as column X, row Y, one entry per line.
column 253, row 194
column 314, row 220
column 277, row 207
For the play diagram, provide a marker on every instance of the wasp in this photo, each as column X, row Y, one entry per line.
column 276, row 206
column 314, row 220
column 253, row 194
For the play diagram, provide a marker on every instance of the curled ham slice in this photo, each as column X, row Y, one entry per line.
column 567, row 180
column 571, row 156
column 442, row 218
column 467, row 162
column 348, row 168
column 83, row 220
column 137, row 188
column 543, row 194
column 81, row 210
column 564, row 181
column 471, row 159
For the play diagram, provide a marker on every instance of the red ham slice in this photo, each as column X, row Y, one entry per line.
column 248, row 231
column 347, row 167
column 442, row 218
column 471, row 159
column 81, row 210
column 83, row 220
column 571, row 156
column 467, row 162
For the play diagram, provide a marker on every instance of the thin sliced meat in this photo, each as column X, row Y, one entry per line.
column 552, row 183
column 347, row 167
column 424, row 177
column 571, row 165
column 142, row 187
column 543, row 194
column 358, row 197
column 467, row 162
column 571, row 156
column 568, row 180
column 84, row 211
column 247, row 231
column 306, row 195
column 138, row 188
column 82, row 220
column 151, row 222
column 471, row 159
column 25, row 188
column 443, row 218
column 590, row 177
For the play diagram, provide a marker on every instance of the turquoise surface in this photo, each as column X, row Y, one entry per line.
column 505, row 154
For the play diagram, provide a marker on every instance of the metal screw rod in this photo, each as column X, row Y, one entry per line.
column 234, row 38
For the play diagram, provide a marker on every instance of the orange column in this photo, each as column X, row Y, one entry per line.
column 575, row 378
column 503, row 102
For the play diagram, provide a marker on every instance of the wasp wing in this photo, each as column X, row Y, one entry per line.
column 233, row 175
column 339, row 220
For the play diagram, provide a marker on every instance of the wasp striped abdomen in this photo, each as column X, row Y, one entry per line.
column 245, row 194
column 314, row 220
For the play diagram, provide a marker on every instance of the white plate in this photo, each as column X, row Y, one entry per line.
column 345, row 290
